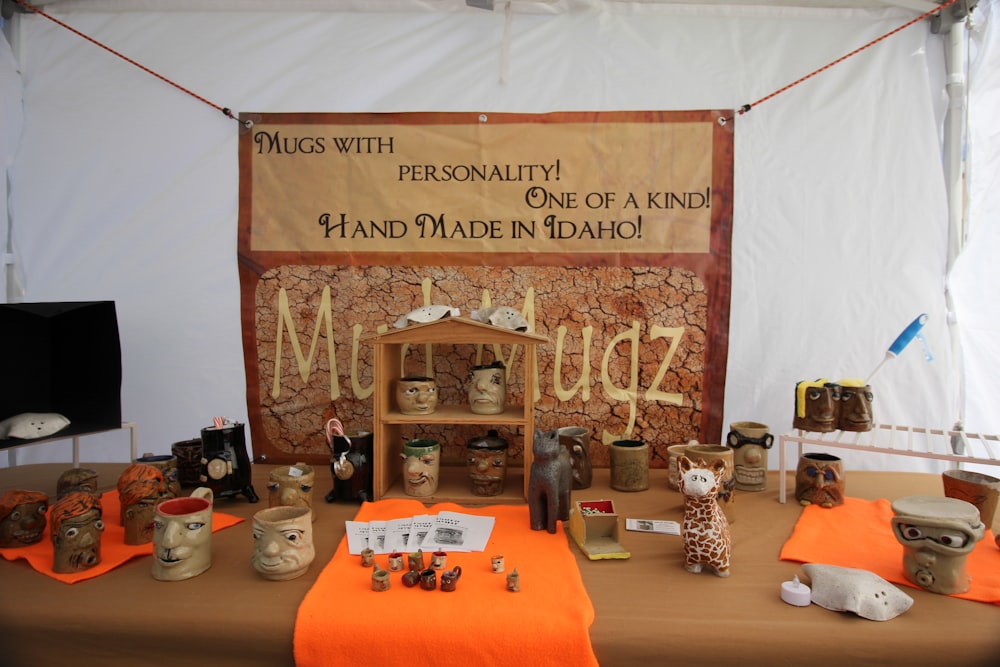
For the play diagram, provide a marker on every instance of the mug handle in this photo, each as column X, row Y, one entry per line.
column 204, row 492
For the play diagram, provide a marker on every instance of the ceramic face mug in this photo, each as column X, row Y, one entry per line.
column 292, row 486
column 416, row 395
column 182, row 536
column 76, row 524
column 488, row 389
column 282, row 542
column 421, row 467
column 22, row 517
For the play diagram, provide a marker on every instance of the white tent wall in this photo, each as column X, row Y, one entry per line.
column 125, row 187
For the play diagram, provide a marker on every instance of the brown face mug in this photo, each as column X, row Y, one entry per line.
column 428, row 579
column 449, row 578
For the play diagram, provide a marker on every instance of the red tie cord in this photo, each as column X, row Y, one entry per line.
column 225, row 110
column 746, row 107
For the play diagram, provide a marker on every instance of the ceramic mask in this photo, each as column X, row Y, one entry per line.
column 76, row 525
column 283, row 545
column 857, row 591
column 22, row 518
column 817, row 406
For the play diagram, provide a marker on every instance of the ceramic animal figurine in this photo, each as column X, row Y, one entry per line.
column 705, row 529
column 549, row 483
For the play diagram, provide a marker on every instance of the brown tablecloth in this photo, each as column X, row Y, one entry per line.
column 649, row 610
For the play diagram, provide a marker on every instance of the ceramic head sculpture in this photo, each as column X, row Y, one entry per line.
column 855, row 406
column 486, row 462
column 705, row 529
column 22, row 517
column 817, row 406
column 133, row 474
column 75, row 525
column 857, row 591
column 550, row 481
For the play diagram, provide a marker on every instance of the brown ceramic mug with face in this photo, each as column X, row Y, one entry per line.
column 22, row 517
column 75, row 525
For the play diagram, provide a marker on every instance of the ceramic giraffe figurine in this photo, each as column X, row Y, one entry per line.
column 705, row 529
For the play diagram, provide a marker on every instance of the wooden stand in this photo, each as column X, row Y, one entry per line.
column 388, row 421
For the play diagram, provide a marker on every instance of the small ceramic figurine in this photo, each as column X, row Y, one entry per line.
column 75, row 525
column 449, row 578
column 705, row 530
column 550, row 480
column 817, row 406
column 426, row 314
column 514, row 581
column 138, row 498
column 22, row 517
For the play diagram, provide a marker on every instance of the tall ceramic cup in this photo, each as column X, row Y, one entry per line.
column 981, row 490
column 182, row 536
column 727, row 494
column 629, row 465
column 750, row 442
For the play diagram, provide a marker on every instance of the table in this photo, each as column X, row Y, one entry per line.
column 649, row 610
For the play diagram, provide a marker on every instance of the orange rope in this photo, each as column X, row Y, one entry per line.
column 746, row 107
column 225, row 110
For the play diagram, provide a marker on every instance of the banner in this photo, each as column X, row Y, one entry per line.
column 609, row 231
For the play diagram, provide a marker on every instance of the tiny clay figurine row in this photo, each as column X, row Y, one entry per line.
column 417, row 574
column 823, row 406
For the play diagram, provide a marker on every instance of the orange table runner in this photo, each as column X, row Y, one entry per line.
column 858, row 534
column 342, row 621
column 114, row 551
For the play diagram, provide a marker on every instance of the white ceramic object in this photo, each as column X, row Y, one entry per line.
column 858, row 591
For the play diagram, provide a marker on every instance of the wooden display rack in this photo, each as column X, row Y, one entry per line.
column 388, row 421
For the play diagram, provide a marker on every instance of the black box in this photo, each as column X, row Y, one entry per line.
column 62, row 357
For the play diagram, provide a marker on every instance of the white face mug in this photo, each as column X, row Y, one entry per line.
column 182, row 536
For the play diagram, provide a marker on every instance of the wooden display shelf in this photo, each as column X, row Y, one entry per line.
column 388, row 422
